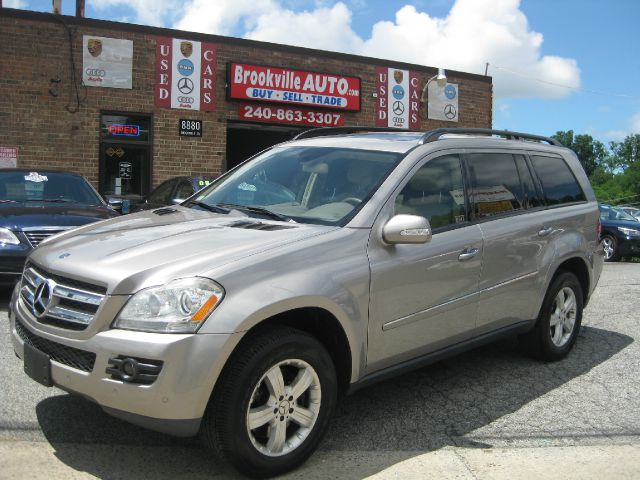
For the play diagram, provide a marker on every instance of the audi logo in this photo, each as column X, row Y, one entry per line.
column 95, row 72
column 185, row 99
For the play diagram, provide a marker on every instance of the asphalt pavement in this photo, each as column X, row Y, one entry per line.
column 487, row 414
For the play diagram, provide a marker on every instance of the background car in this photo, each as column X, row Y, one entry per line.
column 36, row 205
column 173, row 191
column 633, row 211
column 620, row 234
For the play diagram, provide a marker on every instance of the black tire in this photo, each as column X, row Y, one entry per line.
column 545, row 341
column 225, row 426
column 610, row 246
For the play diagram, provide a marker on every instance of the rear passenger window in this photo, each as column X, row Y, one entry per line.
column 558, row 183
column 435, row 192
column 495, row 184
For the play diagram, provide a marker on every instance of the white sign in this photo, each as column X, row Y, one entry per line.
column 443, row 102
column 106, row 62
column 8, row 157
column 398, row 98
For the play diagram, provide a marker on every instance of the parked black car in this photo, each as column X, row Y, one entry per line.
column 36, row 205
column 172, row 191
column 620, row 233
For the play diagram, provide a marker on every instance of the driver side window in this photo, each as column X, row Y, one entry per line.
column 436, row 192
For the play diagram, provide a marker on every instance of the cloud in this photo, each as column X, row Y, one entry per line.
column 14, row 3
column 472, row 33
column 146, row 12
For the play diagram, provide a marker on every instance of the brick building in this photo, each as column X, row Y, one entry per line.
column 236, row 96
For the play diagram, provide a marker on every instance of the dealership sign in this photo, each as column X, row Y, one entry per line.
column 296, row 87
column 106, row 62
column 443, row 102
column 398, row 102
column 185, row 74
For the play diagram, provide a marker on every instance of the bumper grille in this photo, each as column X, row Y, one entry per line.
column 72, row 357
column 58, row 301
column 36, row 236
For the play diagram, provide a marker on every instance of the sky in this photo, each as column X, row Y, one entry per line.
column 556, row 64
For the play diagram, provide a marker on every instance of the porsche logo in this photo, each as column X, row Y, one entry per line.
column 186, row 48
column 398, row 75
column 94, row 46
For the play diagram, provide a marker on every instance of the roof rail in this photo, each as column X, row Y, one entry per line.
column 433, row 135
column 324, row 131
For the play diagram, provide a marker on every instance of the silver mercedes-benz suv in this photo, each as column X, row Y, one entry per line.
column 317, row 267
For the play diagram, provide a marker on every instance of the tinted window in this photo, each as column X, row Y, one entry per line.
column 162, row 194
column 558, row 183
column 185, row 190
column 495, row 184
column 531, row 195
column 435, row 192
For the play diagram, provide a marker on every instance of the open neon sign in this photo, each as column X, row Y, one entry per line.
column 124, row 130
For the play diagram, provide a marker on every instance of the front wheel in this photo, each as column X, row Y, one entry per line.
column 610, row 248
column 559, row 319
column 272, row 403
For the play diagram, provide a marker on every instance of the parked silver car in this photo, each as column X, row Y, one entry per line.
column 316, row 268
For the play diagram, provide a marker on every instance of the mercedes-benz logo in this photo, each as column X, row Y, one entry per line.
column 450, row 111
column 398, row 108
column 185, row 85
column 42, row 298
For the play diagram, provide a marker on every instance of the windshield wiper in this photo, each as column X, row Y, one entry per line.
column 260, row 210
column 7, row 201
column 211, row 208
column 55, row 200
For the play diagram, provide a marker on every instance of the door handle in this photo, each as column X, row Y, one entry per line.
column 545, row 231
column 468, row 254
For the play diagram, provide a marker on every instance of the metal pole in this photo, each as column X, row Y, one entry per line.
column 80, row 8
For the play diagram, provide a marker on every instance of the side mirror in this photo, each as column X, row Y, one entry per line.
column 406, row 229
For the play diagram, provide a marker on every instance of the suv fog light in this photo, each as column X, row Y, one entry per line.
column 134, row 370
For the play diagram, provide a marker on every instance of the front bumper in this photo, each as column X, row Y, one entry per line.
column 174, row 403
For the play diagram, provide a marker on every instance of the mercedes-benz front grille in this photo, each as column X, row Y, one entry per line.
column 58, row 301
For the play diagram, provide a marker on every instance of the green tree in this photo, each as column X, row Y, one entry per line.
column 626, row 153
column 591, row 153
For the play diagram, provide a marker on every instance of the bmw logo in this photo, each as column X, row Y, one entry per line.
column 450, row 92
column 398, row 92
column 185, row 67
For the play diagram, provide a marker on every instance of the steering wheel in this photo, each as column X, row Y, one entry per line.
column 352, row 201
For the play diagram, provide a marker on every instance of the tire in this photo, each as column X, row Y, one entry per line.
column 557, row 326
column 284, row 381
column 610, row 246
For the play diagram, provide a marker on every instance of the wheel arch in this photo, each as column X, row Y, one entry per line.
column 577, row 266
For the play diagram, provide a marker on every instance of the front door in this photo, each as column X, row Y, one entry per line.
column 424, row 297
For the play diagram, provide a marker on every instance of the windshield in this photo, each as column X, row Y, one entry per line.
column 48, row 187
column 611, row 213
column 320, row 185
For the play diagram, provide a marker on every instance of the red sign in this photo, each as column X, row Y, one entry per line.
column 290, row 115
column 185, row 74
column 280, row 85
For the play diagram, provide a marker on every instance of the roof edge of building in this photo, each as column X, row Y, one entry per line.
column 168, row 32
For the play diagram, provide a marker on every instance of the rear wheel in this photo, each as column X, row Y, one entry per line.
column 610, row 247
column 559, row 319
column 272, row 403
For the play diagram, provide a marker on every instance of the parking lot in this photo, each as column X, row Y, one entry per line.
column 490, row 413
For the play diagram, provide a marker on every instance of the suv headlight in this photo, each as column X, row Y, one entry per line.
column 629, row 232
column 7, row 236
column 178, row 307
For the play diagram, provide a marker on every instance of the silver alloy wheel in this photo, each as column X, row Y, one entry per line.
column 284, row 407
column 609, row 247
column 563, row 316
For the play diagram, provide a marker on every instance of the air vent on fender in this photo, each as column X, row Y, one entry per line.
column 165, row 211
column 258, row 226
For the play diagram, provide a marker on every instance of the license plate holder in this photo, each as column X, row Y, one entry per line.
column 37, row 365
